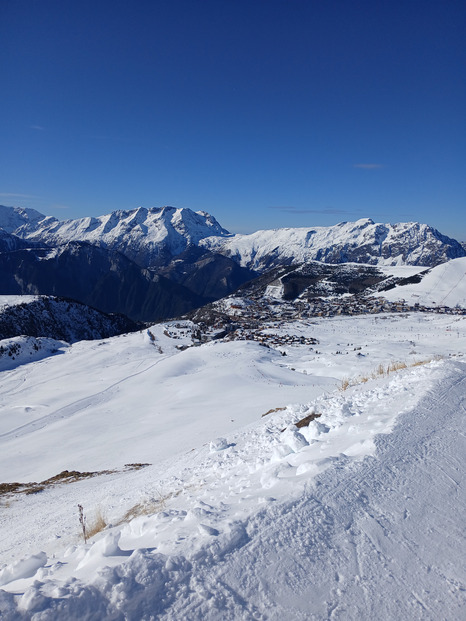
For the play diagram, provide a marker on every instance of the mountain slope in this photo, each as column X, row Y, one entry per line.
column 97, row 277
column 363, row 241
column 211, row 275
column 9, row 242
column 159, row 263
column 444, row 285
column 320, row 280
column 60, row 319
column 14, row 218
column 144, row 263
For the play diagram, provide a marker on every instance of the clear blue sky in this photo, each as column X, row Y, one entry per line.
column 265, row 113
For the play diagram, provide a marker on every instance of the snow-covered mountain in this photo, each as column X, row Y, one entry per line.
column 153, row 237
column 283, row 464
column 149, row 237
column 159, row 263
column 145, row 263
column 323, row 280
column 15, row 218
column 364, row 241
column 9, row 242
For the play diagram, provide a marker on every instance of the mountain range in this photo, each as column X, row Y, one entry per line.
column 363, row 241
column 157, row 263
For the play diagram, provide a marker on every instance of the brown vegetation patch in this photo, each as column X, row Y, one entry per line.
column 66, row 476
column 34, row 490
column 304, row 422
column 273, row 410
column 69, row 476
column 135, row 466
column 154, row 505
column 11, row 488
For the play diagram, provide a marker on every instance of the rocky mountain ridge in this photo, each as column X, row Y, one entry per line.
column 153, row 237
column 363, row 241
column 159, row 263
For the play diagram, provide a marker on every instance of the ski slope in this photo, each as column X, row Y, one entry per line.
column 241, row 515
column 444, row 285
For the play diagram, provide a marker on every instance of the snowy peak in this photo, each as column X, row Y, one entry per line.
column 363, row 241
column 146, row 236
column 13, row 219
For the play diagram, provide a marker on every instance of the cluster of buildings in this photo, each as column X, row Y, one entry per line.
column 358, row 305
column 258, row 317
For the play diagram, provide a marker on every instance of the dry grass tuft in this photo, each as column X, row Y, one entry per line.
column 384, row 371
column 396, row 366
column 380, row 370
column 345, row 384
column 97, row 525
column 420, row 363
column 155, row 505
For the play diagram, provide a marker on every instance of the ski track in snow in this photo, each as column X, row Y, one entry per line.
column 364, row 535
column 73, row 408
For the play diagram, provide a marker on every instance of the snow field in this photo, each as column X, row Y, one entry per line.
column 444, row 285
column 239, row 520
column 14, row 300
column 21, row 350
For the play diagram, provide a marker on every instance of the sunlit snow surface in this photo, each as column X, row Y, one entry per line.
column 444, row 285
column 13, row 300
column 360, row 515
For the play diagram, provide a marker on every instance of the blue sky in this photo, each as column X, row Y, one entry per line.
column 265, row 113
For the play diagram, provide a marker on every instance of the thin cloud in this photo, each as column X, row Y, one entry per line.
column 14, row 195
column 327, row 210
column 368, row 166
column 38, row 128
